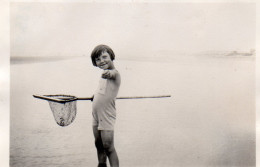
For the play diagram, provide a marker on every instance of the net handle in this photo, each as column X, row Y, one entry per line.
column 61, row 99
column 144, row 97
column 128, row 97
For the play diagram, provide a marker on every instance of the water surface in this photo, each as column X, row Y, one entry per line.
column 208, row 121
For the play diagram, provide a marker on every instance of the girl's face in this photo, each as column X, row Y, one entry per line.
column 104, row 61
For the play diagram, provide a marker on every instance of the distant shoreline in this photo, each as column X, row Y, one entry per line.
column 155, row 58
column 35, row 59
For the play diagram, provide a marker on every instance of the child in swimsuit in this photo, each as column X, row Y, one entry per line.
column 103, row 107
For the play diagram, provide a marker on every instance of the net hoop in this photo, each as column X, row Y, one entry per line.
column 62, row 98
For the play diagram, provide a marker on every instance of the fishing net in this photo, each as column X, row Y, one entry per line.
column 64, row 107
column 65, row 110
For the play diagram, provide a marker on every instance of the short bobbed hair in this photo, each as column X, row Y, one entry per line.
column 98, row 50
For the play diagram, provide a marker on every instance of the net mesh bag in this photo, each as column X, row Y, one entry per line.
column 64, row 112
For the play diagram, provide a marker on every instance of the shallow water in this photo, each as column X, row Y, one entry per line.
column 208, row 121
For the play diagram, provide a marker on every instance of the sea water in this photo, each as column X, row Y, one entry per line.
column 208, row 121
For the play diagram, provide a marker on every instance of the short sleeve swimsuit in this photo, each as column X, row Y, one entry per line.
column 103, row 108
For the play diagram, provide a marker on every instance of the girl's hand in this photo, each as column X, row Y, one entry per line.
column 106, row 74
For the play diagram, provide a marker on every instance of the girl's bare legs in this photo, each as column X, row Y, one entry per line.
column 108, row 145
column 102, row 157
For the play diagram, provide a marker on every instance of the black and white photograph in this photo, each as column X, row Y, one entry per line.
column 132, row 84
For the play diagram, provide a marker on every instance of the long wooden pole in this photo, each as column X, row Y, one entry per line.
column 129, row 97
column 65, row 99
column 144, row 97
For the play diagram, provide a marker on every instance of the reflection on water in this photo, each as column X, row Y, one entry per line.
column 208, row 121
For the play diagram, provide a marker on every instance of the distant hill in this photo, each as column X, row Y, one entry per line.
column 237, row 53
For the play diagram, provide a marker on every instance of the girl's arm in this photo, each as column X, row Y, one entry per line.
column 112, row 74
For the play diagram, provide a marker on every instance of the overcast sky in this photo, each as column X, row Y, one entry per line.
column 139, row 29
